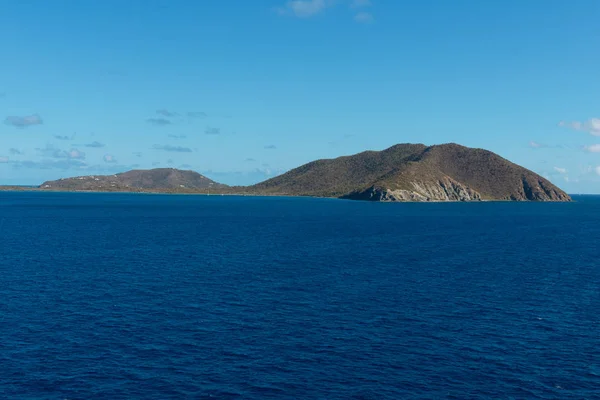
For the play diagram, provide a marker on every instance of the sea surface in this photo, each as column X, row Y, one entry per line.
column 125, row 296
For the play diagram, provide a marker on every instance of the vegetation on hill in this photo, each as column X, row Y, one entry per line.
column 404, row 172
column 159, row 179
column 415, row 172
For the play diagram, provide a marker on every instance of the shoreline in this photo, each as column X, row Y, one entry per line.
column 154, row 192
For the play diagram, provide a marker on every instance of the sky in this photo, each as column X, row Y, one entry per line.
column 241, row 91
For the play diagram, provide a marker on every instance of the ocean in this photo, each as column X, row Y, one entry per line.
column 130, row 296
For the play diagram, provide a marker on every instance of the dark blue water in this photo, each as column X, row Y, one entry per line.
column 166, row 297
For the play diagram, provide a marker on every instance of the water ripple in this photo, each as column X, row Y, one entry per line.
column 168, row 297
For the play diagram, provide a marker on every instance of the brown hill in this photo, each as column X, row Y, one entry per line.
column 405, row 172
column 415, row 172
column 159, row 179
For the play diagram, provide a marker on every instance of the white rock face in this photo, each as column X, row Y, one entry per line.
column 446, row 189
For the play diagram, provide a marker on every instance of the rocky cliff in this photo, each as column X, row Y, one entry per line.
column 445, row 189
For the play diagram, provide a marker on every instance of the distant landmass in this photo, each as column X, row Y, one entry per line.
column 158, row 179
column 415, row 172
column 404, row 172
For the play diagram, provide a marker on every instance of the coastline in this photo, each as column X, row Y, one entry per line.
column 242, row 194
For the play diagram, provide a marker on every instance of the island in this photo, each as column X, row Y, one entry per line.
column 404, row 172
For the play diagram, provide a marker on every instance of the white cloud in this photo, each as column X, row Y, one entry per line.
column 591, row 126
column 310, row 8
column 360, row 3
column 536, row 145
column 23, row 122
column 53, row 152
column 363, row 17
column 51, row 164
column 76, row 154
column 560, row 170
column 593, row 148
column 3, row 160
column 597, row 170
column 108, row 158
column 305, row 8
column 212, row 131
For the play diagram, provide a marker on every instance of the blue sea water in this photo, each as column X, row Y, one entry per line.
column 118, row 296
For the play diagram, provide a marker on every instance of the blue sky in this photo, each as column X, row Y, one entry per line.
column 242, row 90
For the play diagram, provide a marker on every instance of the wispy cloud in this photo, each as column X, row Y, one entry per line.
column 592, row 148
column 80, row 166
column 75, row 154
column 63, row 137
column 560, row 170
column 172, row 114
column 109, row 158
column 536, row 145
column 166, row 113
column 53, row 152
column 155, row 163
column 187, row 166
column 158, row 121
column 539, row 145
column 591, row 126
column 249, row 160
column 4, row 160
column 23, row 122
column 310, row 8
column 212, row 131
column 360, row 3
column 305, row 8
column 168, row 147
column 270, row 147
column 245, row 177
column 51, row 164
column 176, row 136
column 364, row 17
column 137, row 153
column 15, row 152
column 95, row 144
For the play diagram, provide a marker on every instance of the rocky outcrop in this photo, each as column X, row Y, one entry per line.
column 443, row 190
column 539, row 190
